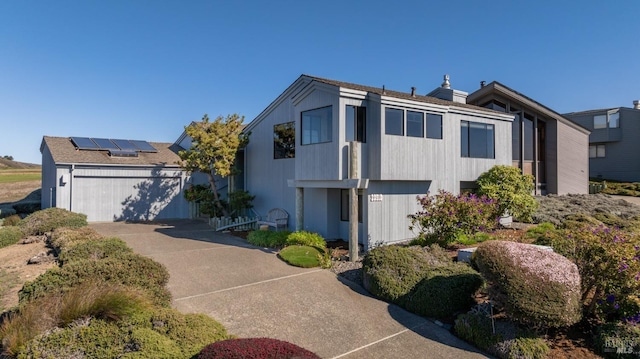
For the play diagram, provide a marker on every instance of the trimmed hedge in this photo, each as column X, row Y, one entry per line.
column 305, row 238
column 255, row 348
column 444, row 292
column 536, row 287
column 129, row 270
column 391, row 272
column 49, row 219
column 95, row 250
column 268, row 239
column 10, row 235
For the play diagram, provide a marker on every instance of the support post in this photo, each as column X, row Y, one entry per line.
column 299, row 208
column 354, row 165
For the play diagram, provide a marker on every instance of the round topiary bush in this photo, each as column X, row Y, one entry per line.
column 535, row 287
column 255, row 348
column 444, row 292
column 391, row 272
column 49, row 219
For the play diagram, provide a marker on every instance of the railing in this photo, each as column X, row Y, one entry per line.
column 244, row 223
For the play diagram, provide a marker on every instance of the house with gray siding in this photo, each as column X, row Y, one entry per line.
column 322, row 141
column 114, row 184
column 544, row 143
column 614, row 150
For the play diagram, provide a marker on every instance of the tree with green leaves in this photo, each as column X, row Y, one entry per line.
column 213, row 150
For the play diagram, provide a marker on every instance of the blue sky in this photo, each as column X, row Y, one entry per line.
column 138, row 69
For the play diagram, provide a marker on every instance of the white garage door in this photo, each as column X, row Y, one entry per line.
column 125, row 198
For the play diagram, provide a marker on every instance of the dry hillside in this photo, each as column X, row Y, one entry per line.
column 8, row 164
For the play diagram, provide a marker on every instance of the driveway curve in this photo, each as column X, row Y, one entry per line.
column 254, row 294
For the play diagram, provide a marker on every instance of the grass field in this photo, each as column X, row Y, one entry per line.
column 19, row 175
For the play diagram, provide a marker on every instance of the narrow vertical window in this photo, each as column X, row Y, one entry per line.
column 284, row 140
column 434, row 126
column 356, row 123
column 344, row 205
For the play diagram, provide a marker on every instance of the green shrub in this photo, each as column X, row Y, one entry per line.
column 268, row 239
column 618, row 340
column 466, row 240
column 445, row 216
column 522, row 348
column 10, row 235
column 26, row 206
column 477, row 329
column 444, row 291
column 129, row 270
column 49, row 219
column 64, row 237
column 94, row 250
column 541, row 231
column 12, row 220
column 512, row 190
column 305, row 238
column 536, row 287
column 607, row 259
column 301, row 256
column 256, row 348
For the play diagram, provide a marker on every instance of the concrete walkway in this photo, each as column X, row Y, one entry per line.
column 254, row 294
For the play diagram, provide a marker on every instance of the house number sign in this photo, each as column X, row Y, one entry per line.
column 375, row 197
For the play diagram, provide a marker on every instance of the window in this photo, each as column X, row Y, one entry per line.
column 344, row 205
column 596, row 151
column 600, row 121
column 393, row 121
column 495, row 105
column 614, row 119
column 284, row 140
column 356, row 124
column 477, row 140
column 415, row 124
column 434, row 126
column 317, row 125
column 528, row 136
column 515, row 138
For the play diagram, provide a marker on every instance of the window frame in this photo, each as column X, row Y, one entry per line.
column 599, row 151
column 329, row 126
column 413, row 121
column 356, row 126
column 466, row 149
column 430, row 118
column 386, row 121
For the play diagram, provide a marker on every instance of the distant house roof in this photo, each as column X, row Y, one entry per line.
column 591, row 111
column 63, row 151
column 496, row 87
column 398, row 94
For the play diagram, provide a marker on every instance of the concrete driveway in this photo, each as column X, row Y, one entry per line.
column 254, row 294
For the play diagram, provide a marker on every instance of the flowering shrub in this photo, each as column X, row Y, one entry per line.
column 512, row 190
column 535, row 287
column 445, row 216
column 609, row 263
column 255, row 348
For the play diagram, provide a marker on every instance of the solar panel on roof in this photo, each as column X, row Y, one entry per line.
column 124, row 145
column 84, row 143
column 143, row 146
column 105, row 144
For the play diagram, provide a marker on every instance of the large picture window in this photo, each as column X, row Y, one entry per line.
column 284, row 140
column 394, row 121
column 434, row 126
column 477, row 140
column 356, row 123
column 317, row 125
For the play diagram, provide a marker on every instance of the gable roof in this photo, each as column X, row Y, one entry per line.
column 64, row 152
column 505, row 91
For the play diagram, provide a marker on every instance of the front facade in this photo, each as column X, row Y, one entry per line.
column 613, row 149
column 113, row 184
column 544, row 143
column 322, row 138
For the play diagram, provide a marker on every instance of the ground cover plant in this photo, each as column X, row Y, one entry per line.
column 10, row 235
column 554, row 209
column 255, row 348
column 302, row 256
column 268, row 239
column 617, row 188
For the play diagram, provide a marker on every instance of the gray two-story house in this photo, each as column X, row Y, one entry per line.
column 614, row 150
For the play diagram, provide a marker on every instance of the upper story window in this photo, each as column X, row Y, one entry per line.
column 356, row 123
column 477, row 140
column 415, row 124
column 393, row 121
column 317, row 125
column 610, row 120
column 434, row 126
column 284, row 140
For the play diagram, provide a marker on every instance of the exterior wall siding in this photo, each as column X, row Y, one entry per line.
column 573, row 174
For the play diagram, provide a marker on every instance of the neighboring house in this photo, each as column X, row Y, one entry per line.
column 113, row 180
column 544, row 143
column 402, row 145
column 612, row 155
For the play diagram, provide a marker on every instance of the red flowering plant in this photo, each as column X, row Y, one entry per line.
column 446, row 216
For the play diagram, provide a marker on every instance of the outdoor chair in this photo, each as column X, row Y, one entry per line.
column 277, row 218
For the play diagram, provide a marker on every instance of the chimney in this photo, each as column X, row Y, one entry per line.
column 413, row 91
column 636, row 105
column 483, row 84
